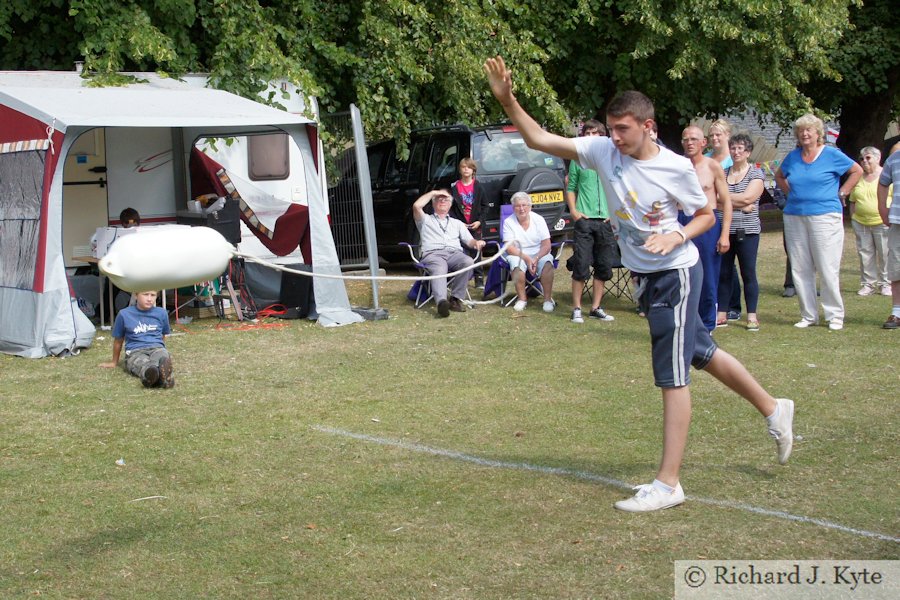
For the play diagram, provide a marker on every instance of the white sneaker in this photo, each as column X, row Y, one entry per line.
column 886, row 290
column 576, row 316
column 803, row 324
column 782, row 428
column 520, row 305
column 866, row 290
column 649, row 497
column 835, row 325
column 549, row 305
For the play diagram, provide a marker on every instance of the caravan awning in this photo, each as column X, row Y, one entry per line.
column 63, row 99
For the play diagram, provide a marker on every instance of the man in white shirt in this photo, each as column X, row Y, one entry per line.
column 644, row 185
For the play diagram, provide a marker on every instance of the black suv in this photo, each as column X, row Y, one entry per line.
column 505, row 166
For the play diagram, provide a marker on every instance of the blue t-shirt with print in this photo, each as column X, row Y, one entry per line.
column 814, row 186
column 142, row 328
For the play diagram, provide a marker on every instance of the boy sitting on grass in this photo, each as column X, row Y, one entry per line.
column 142, row 330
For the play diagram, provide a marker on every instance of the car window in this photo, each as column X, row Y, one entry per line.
column 444, row 156
column 506, row 152
column 376, row 159
column 414, row 164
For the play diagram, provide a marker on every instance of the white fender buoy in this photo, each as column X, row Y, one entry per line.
column 166, row 257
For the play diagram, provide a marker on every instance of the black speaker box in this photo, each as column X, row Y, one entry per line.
column 297, row 291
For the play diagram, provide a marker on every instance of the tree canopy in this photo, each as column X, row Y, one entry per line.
column 409, row 63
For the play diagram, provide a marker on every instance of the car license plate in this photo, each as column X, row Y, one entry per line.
column 546, row 197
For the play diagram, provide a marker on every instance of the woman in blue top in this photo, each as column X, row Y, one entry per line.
column 810, row 176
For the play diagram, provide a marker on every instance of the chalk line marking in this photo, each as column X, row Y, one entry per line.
column 586, row 476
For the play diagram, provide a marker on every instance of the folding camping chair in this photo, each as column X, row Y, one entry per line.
column 500, row 273
column 620, row 283
column 420, row 292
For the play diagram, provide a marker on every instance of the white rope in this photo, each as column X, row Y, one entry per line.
column 277, row 267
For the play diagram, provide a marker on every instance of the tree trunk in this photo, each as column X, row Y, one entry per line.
column 864, row 120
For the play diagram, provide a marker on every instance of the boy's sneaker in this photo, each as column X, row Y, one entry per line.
column 166, row 373
column 733, row 315
column 893, row 322
column 549, row 305
column 649, row 497
column 866, row 290
column 598, row 313
column 804, row 323
column 782, row 428
column 150, row 376
column 886, row 289
column 443, row 308
column 576, row 316
column 520, row 305
column 835, row 325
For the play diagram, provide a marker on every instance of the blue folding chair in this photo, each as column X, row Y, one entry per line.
column 420, row 292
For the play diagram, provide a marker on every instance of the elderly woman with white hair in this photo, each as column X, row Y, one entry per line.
column 810, row 176
column 531, row 251
column 871, row 233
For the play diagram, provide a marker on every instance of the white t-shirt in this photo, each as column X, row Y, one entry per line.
column 529, row 239
column 644, row 197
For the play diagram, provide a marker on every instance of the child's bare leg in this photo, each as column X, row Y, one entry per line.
column 676, row 422
column 735, row 375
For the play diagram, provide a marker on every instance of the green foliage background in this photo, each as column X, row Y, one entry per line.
column 409, row 63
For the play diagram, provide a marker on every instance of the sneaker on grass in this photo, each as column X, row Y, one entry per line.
column 520, row 305
column 781, row 427
column 598, row 313
column 649, row 497
column 576, row 316
column 549, row 305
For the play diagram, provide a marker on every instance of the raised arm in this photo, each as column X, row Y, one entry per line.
column 500, row 79
column 423, row 200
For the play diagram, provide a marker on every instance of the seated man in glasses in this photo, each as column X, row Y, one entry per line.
column 441, row 239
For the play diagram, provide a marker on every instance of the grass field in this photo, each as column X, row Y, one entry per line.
column 477, row 456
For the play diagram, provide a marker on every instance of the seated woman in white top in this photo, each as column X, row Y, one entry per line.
column 531, row 252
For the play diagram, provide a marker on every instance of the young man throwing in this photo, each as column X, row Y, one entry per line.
column 645, row 185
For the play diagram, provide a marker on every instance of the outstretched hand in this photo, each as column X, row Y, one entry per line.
column 500, row 79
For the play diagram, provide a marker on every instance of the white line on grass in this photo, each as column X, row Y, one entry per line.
column 499, row 464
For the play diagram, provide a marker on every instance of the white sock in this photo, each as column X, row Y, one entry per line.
column 662, row 486
column 774, row 415
column 896, row 311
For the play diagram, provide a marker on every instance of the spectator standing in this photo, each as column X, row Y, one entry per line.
column 468, row 204
column 891, row 218
column 745, row 186
column 712, row 243
column 871, row 234
column 595, row 244
column 810, row 175
column 719, row 133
